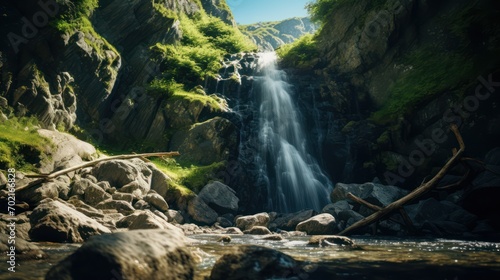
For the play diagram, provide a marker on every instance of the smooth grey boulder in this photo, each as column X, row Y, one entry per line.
column 201, row 212
column 219, row 197
column 119, row 205
column 255, row 262
column 120, row 173
column 257, row 230
column 132, row 255
column 148, row 220
column 290, row 221
column 55, row 221
column 248, row 222
column 320, row 224
column 156, row 201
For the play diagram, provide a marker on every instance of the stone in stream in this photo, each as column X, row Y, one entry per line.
column 330, row 240
column 320, row 224
column 55, row 221
column 219, row 197
column 247, row 222
column 132, row 255
column 257, row 230
column 148, row 220
column 224, row 239
column 234, row 230
column 255, row 262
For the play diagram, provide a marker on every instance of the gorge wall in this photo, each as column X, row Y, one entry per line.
column 389, row 77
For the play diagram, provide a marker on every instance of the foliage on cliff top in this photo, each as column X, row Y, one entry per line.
column 320, row 10
column 301, row 54
column 21, row 147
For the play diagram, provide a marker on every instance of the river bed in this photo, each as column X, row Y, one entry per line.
column 375, row 258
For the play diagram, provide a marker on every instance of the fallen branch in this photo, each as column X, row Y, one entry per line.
column 415, row 193
column 375, row 208
column 53, row 175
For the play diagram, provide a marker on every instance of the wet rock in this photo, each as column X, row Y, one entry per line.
column 247, row 222
column 320, row 224
column 223, row 222
column 55, row 221
column 148, row 220
column 224, row 239
column 257, row 230
column 138, row 254
column 24, row 249
column 254, row 262
column 335, row 208
column 380, row 195
column 234, row 230
column 156, row 201
column 330, row 240
column 190, row 229
column 120, row 173
column 290, row 221
column 219, row 197
column 119, row 205
column 94, row 194
column 272, row 237
column 201, row 212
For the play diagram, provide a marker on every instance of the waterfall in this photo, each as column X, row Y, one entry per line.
column 293, row 177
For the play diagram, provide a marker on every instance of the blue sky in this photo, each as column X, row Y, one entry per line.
column 252, row 11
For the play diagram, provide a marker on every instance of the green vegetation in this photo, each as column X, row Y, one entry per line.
column 429, row 73
column 188, row 177
column 302, row 53
column 320, row 10
column 21, row 147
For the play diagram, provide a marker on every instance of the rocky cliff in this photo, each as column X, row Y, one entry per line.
column 272, row 35
column 104, row 66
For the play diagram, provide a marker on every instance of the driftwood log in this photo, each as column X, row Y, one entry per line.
column 422, row 189
column 47, row 177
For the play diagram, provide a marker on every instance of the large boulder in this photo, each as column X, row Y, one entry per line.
column 120, row 173
column 248, row 222
column 201, row 212
column 156, row 201
column 380, row 195
column 321, row 224
column 254, row 262
column 133, row 255
column 219, row 197
column 55, row 221
column 214, row 140
column 94, row 194
column 148, row 220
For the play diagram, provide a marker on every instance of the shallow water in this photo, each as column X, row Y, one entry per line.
column 376, row 258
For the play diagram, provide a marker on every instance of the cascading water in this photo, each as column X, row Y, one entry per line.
column 293, row 177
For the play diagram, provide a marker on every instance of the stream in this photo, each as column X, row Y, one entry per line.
column 376, row 258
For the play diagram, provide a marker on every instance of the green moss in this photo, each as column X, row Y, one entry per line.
column 302, row 53
column 21, row 146
column 427, row 74
column 188, row 177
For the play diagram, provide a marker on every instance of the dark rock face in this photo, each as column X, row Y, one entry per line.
column 149, row 254
column 219, row 197
column 253, row 262
column 212, row 141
